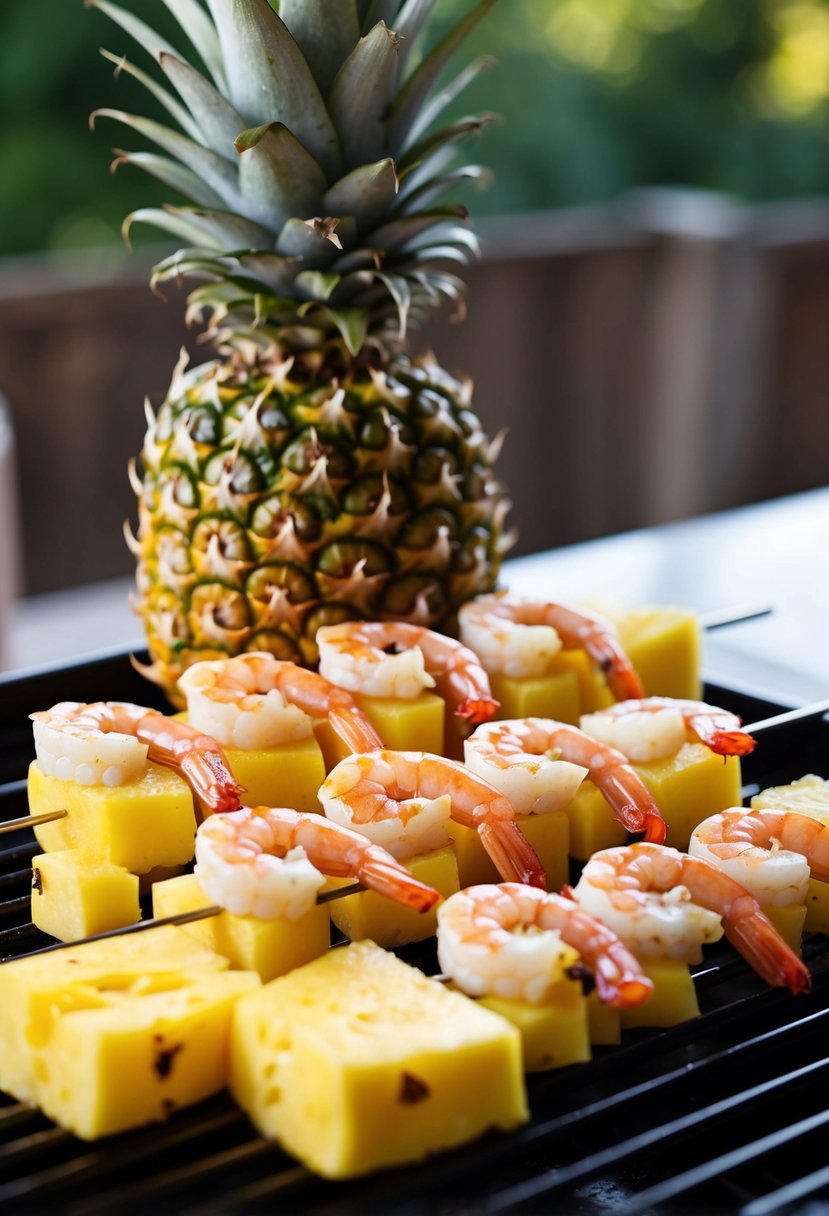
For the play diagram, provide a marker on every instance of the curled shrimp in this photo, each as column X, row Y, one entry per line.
column 368, row 791
column 718, row 729
column 503, row 748
column 269, row 863
column 255, row 700
column 517, row 637
column 512, row 940
column 108, row 743
column 396, row 659
column 772, row 852
column 656, row 899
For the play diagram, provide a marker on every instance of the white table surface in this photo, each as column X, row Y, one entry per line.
column 774, row 553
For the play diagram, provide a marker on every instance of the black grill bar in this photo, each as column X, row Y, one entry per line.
column 781, row 1200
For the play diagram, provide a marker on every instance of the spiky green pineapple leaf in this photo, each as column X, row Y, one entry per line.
column 361, row 94
column 170, row 103
column 414, row 93
column 317, row 284
column 438, row 103
column 171, row 173
column 352, row 324
column 417, row 197
column 146, row 37
column 367, row 193
column 325, row 34
column 200, row 30
column 217, row 120
column 278, row 177
column 253, row 39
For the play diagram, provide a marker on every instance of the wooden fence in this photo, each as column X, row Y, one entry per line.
column 656, row 359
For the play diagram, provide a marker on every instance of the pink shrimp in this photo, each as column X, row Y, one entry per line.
column 502, row 744
column 223, row 693
column 69, row 735
column 615, row 884
column 488, row 626
column 375, row 787
column 483, row 945
column 718, row 729
column 246, row 863
column 355, row 655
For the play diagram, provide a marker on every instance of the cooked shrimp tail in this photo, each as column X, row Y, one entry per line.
column 760, row 944
column 380, row 872
column 717, row 728
column 731, row 743
column 197, row 757
column 511, row 853
column 477, row 710
column 355, row 731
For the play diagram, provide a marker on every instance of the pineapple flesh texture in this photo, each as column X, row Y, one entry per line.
column 314, row 471
column 154, row 1008
column 76, row 893
column 808, row 795
column 358, row 1062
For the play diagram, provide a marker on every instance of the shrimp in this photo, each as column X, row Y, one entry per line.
column 109, row 742
column 663, row 902
column 517, row 637
column 770, row 852
column 718, row 729
column 367, row 791
column 395, row 659
column 255, row 700
column 511, row 940
column 513, row 755
column 269, row 863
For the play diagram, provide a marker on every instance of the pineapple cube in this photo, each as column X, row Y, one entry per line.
column 269, row 947
column 592, row 823
column 603, row 1022
column 552, row 1034
column 690, row 786
column 289, row 775
column 673, row 1000
column 357, row 1061
column 75, row 893
column 548, row 834
column 406, row 724
column 789, row 921
column 144, row 823
column 559, row 693
column 665, row 646
column 808, row 795
column 371, row 915
column 150, row 1009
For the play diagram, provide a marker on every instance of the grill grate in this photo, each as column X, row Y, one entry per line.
column 725, row 1114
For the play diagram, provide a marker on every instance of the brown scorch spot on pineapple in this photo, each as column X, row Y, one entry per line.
column 312, row 472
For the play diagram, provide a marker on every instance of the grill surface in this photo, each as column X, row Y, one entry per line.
column 724, row 1114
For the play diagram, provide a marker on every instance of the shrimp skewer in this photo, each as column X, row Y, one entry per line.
column 367, row 791
column 647, row 893
column 396, row 659
column 511, row 940
column 770, row 852
column 270, row 863
column 518, row 637
column 718, row 729
column 108, row 742
column 255, row 700
column 497, row 751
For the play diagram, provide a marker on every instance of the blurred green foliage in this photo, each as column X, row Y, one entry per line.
column 594, row 97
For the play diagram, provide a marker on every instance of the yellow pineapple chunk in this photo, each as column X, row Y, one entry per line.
column 75, row 893
column 690, row 786
column 105, row 1036
column 789, row 921
column 407, row 724
column 144, row 823
column 673, row 1000
column 371, row 915
column 358, row 1061
column 552, row 1034
column 603, row 1023
column 663, row 643
column 592, row 823
column 548, row 834
column 808, row 795
column 269, row 947
column 289, row 775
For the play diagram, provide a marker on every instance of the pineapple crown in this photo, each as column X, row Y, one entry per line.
column 314, row 162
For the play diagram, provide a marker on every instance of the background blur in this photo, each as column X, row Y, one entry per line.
column 650, row 315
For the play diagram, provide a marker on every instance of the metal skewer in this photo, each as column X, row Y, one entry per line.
column 733, row 616
column 804, row 712
column 30, row 821
column 140, row 926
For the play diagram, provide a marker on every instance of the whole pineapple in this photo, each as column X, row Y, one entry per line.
column 312, row 472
